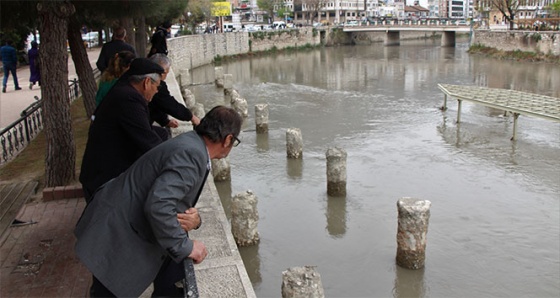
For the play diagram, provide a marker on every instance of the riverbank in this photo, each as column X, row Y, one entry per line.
column 516, row 55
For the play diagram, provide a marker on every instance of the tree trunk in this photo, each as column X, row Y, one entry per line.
column 128, row 25
column 82, row 65
column 60, row 157
column 141, row 37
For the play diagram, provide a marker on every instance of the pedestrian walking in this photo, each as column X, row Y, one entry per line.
column 9, row 60
column 34, row 67
column 116, row 45
column 159, row 39
column 129, row 235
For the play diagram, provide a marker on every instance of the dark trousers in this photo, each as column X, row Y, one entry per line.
column 164, row 283
column 10, row 68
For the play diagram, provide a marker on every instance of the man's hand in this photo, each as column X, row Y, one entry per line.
column 189, row 220
column 199, row 252
column 173, row 123
column 195, row 121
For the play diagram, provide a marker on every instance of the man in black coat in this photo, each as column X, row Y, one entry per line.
column 164, row 104
column 111, row 48
column 120, row 130
column 159, row 39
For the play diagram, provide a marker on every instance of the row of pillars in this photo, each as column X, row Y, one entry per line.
column 392, row 38
column 413, row 214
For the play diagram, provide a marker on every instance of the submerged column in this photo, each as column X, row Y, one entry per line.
column 221, row 169
column 336, row 172
column 392, row 38
column 448, row 39
column 294, row 143
column 228, row 86
column 261, row 117
column 219, row 76
column 302, row 282
column 414, row 215
column 245, row 218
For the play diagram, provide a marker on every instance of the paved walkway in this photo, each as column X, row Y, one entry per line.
column 13, row 102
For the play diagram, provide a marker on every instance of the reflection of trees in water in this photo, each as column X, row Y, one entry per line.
column 336, row 216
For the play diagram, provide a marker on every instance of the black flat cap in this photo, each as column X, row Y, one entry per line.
column 142, row 66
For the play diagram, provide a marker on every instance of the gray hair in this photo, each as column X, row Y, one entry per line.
column 139, row 78
column 161, row 59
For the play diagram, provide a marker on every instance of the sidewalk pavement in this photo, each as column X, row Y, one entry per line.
column 13, row 102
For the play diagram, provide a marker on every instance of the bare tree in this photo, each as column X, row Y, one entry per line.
column 508, row 8
column 61, row 153
column 314, row 8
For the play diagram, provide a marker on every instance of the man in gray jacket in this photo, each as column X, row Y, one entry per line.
column 129, row 235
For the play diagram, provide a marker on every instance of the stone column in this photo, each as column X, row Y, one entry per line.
column 261, row 117
column 414, row 215
column 228, row 86
column 188, row 96
column 219, row 76
column 302, row 282
column 221, row 169
column 336, row 172
column 239, row 104
column 198, row 110
column 294, row 143
column 245, row 218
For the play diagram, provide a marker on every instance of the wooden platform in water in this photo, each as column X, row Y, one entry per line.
column 516, row 102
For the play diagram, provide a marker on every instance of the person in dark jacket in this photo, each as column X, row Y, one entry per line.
column 164, row 104
column 113, row 47
column 9, row 62
column 159, row 39
column 120, row 130
column 34, row 70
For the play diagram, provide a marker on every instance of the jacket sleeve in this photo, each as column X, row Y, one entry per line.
column 136, row 123
column 176, row 183
column 167, row 104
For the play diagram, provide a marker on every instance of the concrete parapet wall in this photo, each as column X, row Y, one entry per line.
column 545, row 42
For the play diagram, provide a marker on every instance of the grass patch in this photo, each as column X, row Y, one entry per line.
column 30, row 163
column 513, row 55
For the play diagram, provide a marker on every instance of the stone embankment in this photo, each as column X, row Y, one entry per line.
column 540, row 42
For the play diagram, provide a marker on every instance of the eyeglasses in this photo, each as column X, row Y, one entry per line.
column 236, row 141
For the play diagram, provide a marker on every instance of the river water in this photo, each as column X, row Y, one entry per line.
column 495, row 217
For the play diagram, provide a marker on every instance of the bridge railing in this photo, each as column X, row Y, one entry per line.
column 418, row 23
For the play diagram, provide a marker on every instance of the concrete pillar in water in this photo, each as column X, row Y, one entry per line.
column 245, row 218
column 448, row 39
column 261, row 117
column 294, row 143
column 234, row 95
column 392, row 38
column 219, row 76
column 302, row 282
column 228, row 86
column 198, row 110
column 239, row 104
column 336, row 172
column 188, row 97
column 221, row 169
column 414, row 215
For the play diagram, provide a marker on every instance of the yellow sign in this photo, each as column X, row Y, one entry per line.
column 221, row 9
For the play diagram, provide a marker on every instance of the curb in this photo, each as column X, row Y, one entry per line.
column 62, row 192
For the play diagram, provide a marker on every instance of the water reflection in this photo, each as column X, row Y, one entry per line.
column 262, row 142
column 294, row 167
column 252, row 261
column 409, row 283
column 336, row 216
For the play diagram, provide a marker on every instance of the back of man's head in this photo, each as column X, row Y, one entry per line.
column 220, row 122
column 119, row 33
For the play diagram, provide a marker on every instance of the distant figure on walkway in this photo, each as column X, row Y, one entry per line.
column 9, row 60
column 159, row 39
column 120, row 130
column 111, row 48
column 129, row 236
column 118, row 65
column 34, row 67
column 164, row 104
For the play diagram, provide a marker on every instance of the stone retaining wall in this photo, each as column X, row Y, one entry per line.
column 191, row 51
column 545, row 42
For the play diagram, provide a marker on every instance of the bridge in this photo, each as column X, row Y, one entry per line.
column 393, row 30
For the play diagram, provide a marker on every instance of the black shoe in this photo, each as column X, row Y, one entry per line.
column 18, row 88
column 3, row 89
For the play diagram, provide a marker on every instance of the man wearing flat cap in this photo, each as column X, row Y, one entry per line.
column 120, row 131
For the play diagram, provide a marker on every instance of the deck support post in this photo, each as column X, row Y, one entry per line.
column 444, row 107
column 515, row 116
column 460, row 103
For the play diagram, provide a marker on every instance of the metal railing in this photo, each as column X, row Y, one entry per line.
column 16, row 136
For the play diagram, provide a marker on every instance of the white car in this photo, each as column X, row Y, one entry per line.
column 352, row 23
